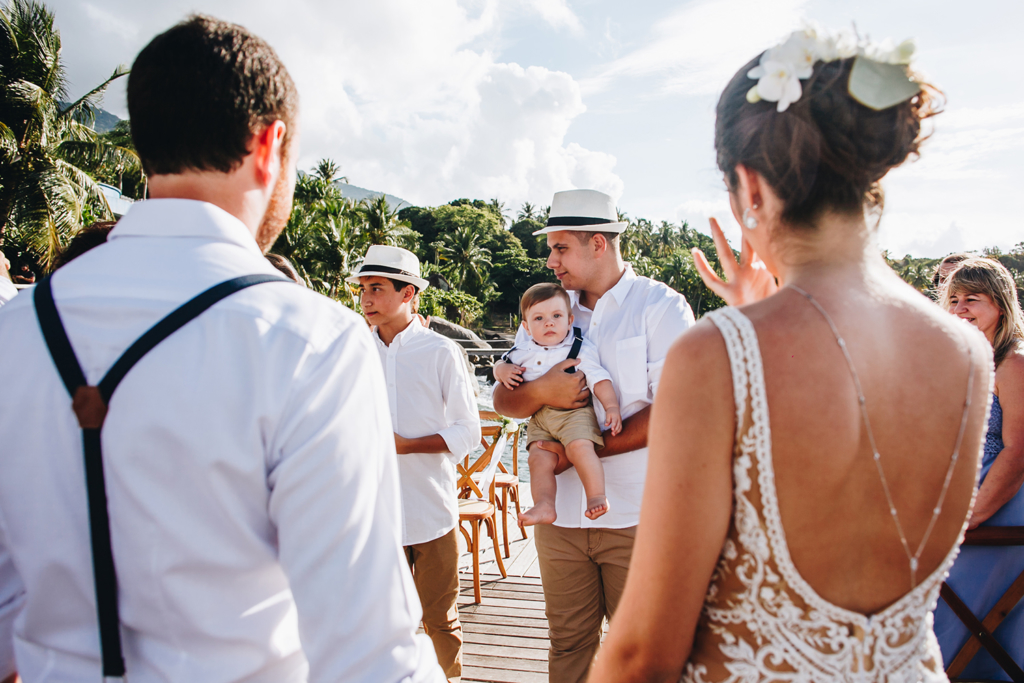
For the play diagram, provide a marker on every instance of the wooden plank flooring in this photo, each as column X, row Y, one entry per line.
column 506, row 636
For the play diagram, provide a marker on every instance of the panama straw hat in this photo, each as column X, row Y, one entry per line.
column 390, row 262
column 584, row 210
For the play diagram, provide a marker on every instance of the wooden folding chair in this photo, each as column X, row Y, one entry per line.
column 475, row 506
column 507, row 481
column 982, row 629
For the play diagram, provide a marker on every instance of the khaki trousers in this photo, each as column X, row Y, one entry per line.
column 435, row 571
column 584, row 573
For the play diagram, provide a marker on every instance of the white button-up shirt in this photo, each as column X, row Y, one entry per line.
column 7, row 290
column 429, row 393
column 633, row 325
column 537, row 360
column 250, row 471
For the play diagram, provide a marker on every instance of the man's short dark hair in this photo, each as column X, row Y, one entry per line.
column 199, row 91
column 585, row 236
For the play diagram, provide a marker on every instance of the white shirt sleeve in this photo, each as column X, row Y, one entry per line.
column 12, row 596
column 7, row 290
column 460, row 410
column 335, row 503
column 590, row 364
column 665, row 322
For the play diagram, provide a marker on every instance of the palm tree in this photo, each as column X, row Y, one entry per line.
column 498, row 208
column 466, row 259
column 380, row 224
column 46, row 149
column 527, row 212
column 328, row 171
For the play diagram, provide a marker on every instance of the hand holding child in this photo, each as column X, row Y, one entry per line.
column 509, row 374
column 613, row 420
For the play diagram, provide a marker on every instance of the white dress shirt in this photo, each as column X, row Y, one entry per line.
column 7, row 290
column 537, row 360
column 429, row 393
column 250, row 471
column 633, row 325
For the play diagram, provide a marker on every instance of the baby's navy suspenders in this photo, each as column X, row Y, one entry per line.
column 574, row 352
column 90, row 406
column 577, row 344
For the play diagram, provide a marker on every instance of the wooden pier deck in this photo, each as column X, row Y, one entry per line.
column 506, row 637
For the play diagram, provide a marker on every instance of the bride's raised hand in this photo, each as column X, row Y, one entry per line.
column 745, row 282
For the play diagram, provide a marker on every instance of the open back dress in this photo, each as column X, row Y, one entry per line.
column 761, row 620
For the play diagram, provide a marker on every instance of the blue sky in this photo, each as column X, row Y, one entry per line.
column 432, row 100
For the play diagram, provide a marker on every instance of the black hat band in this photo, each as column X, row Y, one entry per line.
column 387, row 269
column 577, row 221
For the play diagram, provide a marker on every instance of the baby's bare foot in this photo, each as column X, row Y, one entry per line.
column 596, row 506
column 541, row 513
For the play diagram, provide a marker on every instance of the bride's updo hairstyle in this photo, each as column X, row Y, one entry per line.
column 826, row 151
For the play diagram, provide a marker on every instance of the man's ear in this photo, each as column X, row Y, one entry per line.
column 268, row 152
column 408, row 293
column 599, row 243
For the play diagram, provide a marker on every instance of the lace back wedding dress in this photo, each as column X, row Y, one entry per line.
column 761, row 620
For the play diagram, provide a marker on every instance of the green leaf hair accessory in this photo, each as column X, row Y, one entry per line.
column 878, row 79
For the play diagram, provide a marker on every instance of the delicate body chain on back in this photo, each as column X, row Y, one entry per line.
column 937, row 510
column 761, row 620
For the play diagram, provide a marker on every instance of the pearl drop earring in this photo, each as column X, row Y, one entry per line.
column 748, row 220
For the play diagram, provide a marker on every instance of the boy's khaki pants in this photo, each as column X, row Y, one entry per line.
column 583, row 572
column 435, row 571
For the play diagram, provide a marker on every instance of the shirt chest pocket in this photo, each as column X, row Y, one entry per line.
column 631, row 358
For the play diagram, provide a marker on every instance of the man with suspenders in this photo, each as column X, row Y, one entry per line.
column 198, row 466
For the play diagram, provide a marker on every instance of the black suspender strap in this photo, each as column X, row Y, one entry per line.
column 577, row 344
column 507, row 356
column 90, row 406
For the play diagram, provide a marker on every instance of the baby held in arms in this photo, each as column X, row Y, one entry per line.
column 548, row 322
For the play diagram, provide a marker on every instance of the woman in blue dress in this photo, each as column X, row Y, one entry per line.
column 982, row 292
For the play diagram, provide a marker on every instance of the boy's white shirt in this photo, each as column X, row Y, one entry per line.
column 429, row 392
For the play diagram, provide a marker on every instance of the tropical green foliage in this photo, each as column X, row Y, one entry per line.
column 48, row 151
column 327, row 234
column 451, row 305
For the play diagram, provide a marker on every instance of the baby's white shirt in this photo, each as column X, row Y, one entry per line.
column 537, row 359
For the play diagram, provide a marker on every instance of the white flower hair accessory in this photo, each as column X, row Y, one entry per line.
column 878, row 78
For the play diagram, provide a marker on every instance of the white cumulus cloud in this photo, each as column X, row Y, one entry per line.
column 405, row 95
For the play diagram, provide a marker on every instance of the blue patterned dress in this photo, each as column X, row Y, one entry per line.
column 981, row 575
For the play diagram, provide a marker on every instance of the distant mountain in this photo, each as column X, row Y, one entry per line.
column 105, row 121
column 359, row 193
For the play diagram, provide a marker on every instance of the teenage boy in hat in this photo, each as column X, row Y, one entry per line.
column 436, row 423
column 248, row 458
column 633, row 321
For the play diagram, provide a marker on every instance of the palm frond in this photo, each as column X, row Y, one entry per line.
column 8, row 141
column 86, row 104
column 92, row 154
column 9, row 35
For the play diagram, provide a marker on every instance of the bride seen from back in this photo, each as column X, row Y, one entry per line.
column 786, row 532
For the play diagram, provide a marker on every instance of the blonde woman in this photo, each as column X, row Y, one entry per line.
column 982, row 292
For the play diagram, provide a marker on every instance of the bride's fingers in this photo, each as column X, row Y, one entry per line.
column 707, row 273
column 724, row 251
column 748, row 256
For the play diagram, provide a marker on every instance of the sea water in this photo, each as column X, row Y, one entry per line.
column 483, row 402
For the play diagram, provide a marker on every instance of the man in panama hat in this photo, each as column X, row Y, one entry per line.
column 633, row 321
column 436, row 423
